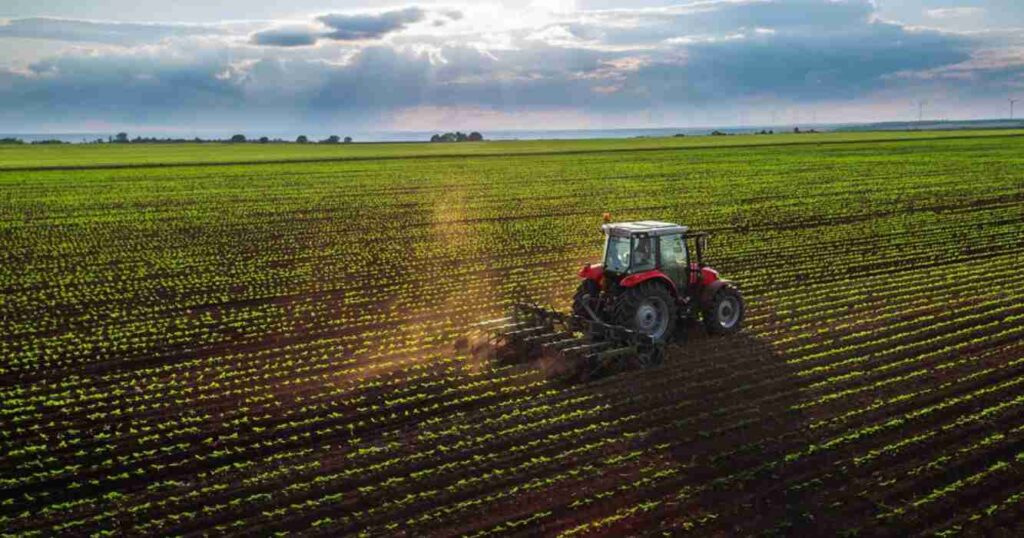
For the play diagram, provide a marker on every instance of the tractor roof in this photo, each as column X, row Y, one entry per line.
column 643, row 227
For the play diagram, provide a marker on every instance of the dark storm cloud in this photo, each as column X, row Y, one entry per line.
column 98, row 32
column 362, row 27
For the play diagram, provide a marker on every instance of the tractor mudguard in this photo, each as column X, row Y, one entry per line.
column 593, row 272
column 639, row 278
column 708, row 276
column 703, row 276
column 707, row 292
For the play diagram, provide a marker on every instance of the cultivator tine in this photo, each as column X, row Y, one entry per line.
column 561, row 345
column 596, row 346
column 520, row 333
column 571, row 347
column 545, row 338
column 496, row 321
column 609, row 355
column 507, row 327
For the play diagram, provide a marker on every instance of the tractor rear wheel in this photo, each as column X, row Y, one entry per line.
column 648, row 308
column 725, row 313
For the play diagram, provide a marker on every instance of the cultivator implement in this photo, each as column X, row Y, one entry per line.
column 569, row 347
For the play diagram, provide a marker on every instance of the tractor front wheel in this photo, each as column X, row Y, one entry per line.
column 648, row 308
column 725, row 313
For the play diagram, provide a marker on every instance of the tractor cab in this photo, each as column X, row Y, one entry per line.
column 636, row 248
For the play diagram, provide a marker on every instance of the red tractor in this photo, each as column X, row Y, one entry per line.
column 626, row 310
column 652, row 276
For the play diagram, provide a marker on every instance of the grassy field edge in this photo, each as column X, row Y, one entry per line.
column 90, row 157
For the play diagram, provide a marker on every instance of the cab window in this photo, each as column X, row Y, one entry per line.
column 673, row 251
column 643, row 254
column 616, row 254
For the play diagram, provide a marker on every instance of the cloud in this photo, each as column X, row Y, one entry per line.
column 347, row 27
column 365, row 27
column 809, row 66
column 991, row 68
column 113, row 33
column 955, row 12
column 133, row 88
column 708, row 58
column 452, row 14
column 287, row 36
column 445, row 16
column 718, row 19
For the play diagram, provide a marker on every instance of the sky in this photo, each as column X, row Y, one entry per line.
column 334, row 66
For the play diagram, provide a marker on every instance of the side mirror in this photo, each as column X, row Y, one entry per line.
column 703, row 240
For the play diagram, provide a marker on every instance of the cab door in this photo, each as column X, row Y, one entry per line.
column 673, row 260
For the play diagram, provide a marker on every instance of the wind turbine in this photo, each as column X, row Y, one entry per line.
column 1012, row 102
column 920, row 110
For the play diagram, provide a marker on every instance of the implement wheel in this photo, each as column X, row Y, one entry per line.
column 649, row 309
column 726, row 312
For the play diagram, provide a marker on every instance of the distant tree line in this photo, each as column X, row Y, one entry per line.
column 796, row 130
column 457, row 136
column 18, row 141
column 122, row 138
column 301, row 139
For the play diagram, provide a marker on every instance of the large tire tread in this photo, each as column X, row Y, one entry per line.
column 626, row 305
column 711, row 321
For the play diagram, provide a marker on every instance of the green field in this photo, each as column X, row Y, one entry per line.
column 266, row 345
column 116, row 155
